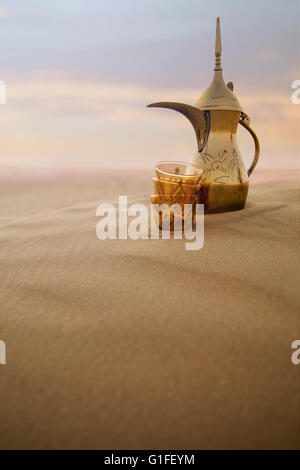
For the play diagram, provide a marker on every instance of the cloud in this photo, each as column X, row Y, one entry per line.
column 267, row 56
column 67, row 122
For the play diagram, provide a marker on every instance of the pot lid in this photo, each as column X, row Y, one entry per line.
column 218, row 95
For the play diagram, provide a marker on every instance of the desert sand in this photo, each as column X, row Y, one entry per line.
column 123, row 344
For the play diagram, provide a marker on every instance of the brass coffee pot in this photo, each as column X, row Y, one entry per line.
column 215, row 119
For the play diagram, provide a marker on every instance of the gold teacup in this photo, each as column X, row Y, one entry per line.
column 169, row 188
column 178, row 172
column 170, row 211
column 177, row 185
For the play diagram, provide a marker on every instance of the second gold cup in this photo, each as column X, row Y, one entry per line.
column 176, row 183
column 168, row 188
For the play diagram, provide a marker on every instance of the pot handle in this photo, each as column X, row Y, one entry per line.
column 245, row 121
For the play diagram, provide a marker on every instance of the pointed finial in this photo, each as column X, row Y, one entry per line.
column 218, row 48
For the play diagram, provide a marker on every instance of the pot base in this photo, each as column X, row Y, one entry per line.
column 223, row 197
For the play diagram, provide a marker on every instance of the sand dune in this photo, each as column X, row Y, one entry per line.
column 141, row 344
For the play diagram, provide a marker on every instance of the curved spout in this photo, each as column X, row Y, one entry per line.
column 199, row 119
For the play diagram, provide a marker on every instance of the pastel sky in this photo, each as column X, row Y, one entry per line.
column 80, row 73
